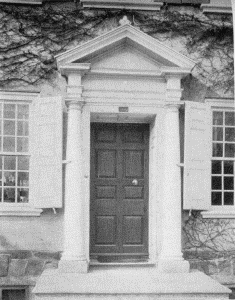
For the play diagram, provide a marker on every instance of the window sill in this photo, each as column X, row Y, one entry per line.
column 122, row 4
column 220, row 214
column 19, row 211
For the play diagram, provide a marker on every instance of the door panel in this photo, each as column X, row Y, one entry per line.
column 133, row 163
column 105, row 230
column 119, row 189
column 132, row 230
column 106, row 163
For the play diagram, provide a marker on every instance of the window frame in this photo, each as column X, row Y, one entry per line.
column 219, row 211
column 20, row 209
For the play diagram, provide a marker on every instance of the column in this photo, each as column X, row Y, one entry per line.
column 73, row 259
column 171, row 259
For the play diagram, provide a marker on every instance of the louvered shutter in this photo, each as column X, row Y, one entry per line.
column 197, row 157
column 46, row 149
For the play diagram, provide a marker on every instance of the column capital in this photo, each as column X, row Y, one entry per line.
column 173, row 106
column 74, row 103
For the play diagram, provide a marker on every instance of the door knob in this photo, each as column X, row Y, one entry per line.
column 134, row 181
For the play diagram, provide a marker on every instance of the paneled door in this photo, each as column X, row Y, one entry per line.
column 119, row 190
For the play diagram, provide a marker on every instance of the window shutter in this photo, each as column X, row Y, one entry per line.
column 46, row 149
column 197, row 157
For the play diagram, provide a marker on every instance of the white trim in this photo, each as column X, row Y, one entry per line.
column 18, row 96
column 35, row 2
column 220, row 214
column 122, row 4
column 223, row 102
column 218, row 6
column 19, row 210
column 149, row 115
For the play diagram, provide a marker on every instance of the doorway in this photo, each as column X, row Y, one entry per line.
column 119, row 191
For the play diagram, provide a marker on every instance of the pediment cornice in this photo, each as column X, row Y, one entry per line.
column 123, row 35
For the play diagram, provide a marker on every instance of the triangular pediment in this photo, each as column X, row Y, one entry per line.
column 123, row 58
column 125, row 48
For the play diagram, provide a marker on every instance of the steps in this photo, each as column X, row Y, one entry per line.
column 127, row 283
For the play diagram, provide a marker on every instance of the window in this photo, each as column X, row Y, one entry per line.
column 209, row 156
column 223, row 153
column 30, row 153
column 14, row 152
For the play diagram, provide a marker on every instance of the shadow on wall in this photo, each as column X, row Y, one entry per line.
column 195, row 90
column 5, row 244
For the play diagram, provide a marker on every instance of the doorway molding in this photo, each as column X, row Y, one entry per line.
column 152, row 115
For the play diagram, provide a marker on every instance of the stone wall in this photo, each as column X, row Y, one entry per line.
column 19, row 268
column 23, row 267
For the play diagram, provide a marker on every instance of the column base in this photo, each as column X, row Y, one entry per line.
column 73, row 266
column 173, row 266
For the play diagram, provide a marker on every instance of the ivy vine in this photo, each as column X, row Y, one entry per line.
column 208, row 238
column 31, row 36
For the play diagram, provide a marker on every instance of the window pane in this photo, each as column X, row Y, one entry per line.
column 217, row 149
column 22, row 195
column 22, row 144
column 217, row 134
column 216, row 167
column 217, row 118
column 23, row 128
column 9, row 162
column 0, row 178
column 216, row 183
column 23, row 162
column 13, row 294
column 9, row 111
column 23, row 178
column 23, row 111
column 228, row 183
column 9, row 127
column 9, row 195
column 9, row 178
column 228, row 167
column 228, row 198
column 230, row 134
column 9, row 144
column 229, row 150
column 1, row 162
column 216, row 198
column 0, row 194
column 229, row 118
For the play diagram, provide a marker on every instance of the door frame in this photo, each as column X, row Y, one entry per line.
column 152, row 114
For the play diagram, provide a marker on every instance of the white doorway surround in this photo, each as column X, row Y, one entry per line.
column 125, row 76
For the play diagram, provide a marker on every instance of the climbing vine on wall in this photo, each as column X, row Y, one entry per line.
column 214, row 238
column 31, row 36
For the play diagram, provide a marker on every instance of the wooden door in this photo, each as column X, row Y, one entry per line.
column 119, row 189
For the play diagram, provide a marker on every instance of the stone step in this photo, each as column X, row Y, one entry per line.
column 127, row 283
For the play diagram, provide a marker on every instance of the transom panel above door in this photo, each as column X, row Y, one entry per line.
column 119, row 189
